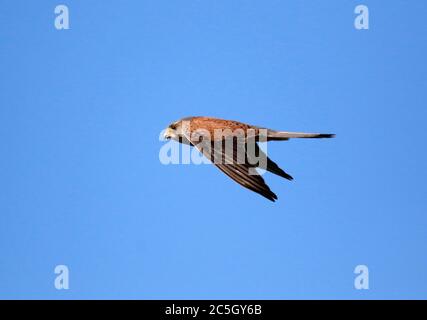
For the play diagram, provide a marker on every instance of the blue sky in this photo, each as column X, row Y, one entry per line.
column 81, row 181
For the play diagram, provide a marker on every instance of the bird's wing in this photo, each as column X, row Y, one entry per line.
column 270, row 165
column 256, row 183
column 242, row 172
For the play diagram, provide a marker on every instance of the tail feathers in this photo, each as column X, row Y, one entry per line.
column 284, row 135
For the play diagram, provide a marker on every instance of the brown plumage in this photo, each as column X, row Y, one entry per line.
column 233, row 147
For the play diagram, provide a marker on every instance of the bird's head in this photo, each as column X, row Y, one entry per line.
column 174, row 131
column 178, row 131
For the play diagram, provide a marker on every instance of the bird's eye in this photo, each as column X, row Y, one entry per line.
column 172, row 126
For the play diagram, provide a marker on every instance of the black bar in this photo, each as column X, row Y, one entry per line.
column 214, row 309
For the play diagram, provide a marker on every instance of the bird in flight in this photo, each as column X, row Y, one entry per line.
column 232, row 146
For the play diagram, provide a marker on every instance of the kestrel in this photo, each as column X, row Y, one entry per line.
column 232, row 146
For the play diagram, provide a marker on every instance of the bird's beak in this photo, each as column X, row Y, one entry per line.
column 168, row 133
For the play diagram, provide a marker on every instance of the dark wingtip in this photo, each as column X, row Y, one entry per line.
column 288, row 177
column 272, row 197
column 269, row 195
column 326, row 135
column 282, row 173
column 274, row 168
